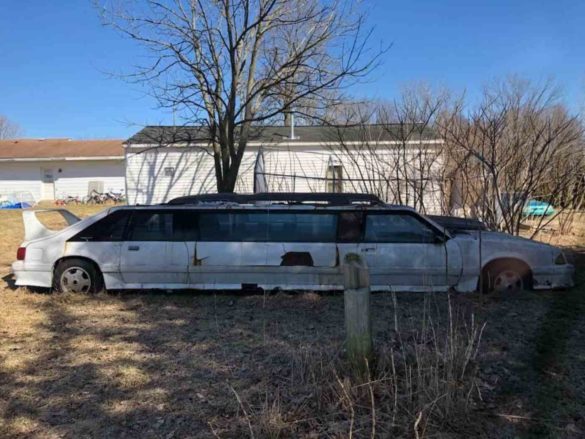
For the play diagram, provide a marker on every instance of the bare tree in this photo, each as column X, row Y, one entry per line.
column 518, row 144
column 230, row 64
column 8, row 129
column 398, row 157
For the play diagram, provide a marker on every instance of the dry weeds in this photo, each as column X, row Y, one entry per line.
column 165, row 365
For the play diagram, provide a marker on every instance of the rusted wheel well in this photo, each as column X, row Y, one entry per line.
column 524, row 269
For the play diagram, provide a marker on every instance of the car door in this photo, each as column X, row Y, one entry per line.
column 404, row 253
column 301, row 250
column 151, row 254
column 230, row 249
column 297, row 238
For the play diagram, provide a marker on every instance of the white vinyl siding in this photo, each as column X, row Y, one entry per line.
column 20, row 177
column 73, row 180
column 288, row 169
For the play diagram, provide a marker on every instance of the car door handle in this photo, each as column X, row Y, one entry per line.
column 367, row 249
column 133, row 248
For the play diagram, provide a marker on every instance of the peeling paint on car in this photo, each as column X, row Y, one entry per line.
column 453, row 261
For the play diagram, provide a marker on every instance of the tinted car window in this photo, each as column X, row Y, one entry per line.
column 185, row 226
column 228, row 226
column 110, row 228
column 250, row 226
column 397, row 228
column 267, row 227
column 350, row 227
column 163, row 226
column 151, row 226
column 302, row 227
column 215, row 226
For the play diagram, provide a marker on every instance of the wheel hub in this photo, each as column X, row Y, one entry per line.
column 75, row 280
column 508, row 281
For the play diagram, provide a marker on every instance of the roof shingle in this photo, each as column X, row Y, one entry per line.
column 59, row 148
column 168, row 135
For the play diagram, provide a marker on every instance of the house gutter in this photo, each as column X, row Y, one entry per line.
column 60, row 159
column 289, row 143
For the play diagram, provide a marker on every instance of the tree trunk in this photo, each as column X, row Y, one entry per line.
column 230, row 177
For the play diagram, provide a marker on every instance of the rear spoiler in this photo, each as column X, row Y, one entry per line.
column 34, row 229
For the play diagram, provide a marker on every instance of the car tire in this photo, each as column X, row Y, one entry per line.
column 77, row 276
column 505, row 278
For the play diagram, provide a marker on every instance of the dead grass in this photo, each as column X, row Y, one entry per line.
column 164, row 366
column 566, row 230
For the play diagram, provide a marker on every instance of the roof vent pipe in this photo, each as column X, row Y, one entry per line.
column 292, row 125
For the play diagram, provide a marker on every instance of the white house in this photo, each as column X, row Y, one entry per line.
column 55, row 168
column 164, row 162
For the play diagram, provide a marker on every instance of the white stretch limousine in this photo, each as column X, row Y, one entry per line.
column 271, row 241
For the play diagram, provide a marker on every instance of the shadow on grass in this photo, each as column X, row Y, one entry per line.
column 150, row 365
column 10, row 282
column 555, row 404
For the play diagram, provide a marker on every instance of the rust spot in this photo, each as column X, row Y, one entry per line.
column 291, row 259
column 197, row 262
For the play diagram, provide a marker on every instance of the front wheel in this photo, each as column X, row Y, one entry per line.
column 77, row 276
column 505, row 278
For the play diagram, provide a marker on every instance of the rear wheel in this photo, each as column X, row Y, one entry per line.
column 505, row 278
column 77, row 276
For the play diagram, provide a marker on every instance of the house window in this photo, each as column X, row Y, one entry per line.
column 170, row 171
column 334, row 178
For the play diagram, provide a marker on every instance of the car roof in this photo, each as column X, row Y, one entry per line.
column 264, row 206
column 282, row 200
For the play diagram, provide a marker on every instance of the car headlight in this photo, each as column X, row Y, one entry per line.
column 560, row 259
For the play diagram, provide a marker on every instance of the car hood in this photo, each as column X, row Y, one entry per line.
column 501, row 237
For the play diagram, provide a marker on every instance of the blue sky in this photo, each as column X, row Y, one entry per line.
column 55, row 55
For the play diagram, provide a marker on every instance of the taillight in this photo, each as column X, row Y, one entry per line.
column 21, row 253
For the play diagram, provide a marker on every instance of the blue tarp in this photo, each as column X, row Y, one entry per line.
column 13, row 205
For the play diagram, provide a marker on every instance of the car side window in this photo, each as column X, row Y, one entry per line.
column 397, row 228
column 258, row 226
column 110, row 228
column 151, row 226
column 216, row 226
column 349, row 228
column 185, row 227
column 302, row 227
column 228, row 226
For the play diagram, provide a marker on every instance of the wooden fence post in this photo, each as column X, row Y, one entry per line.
column 358, row 323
